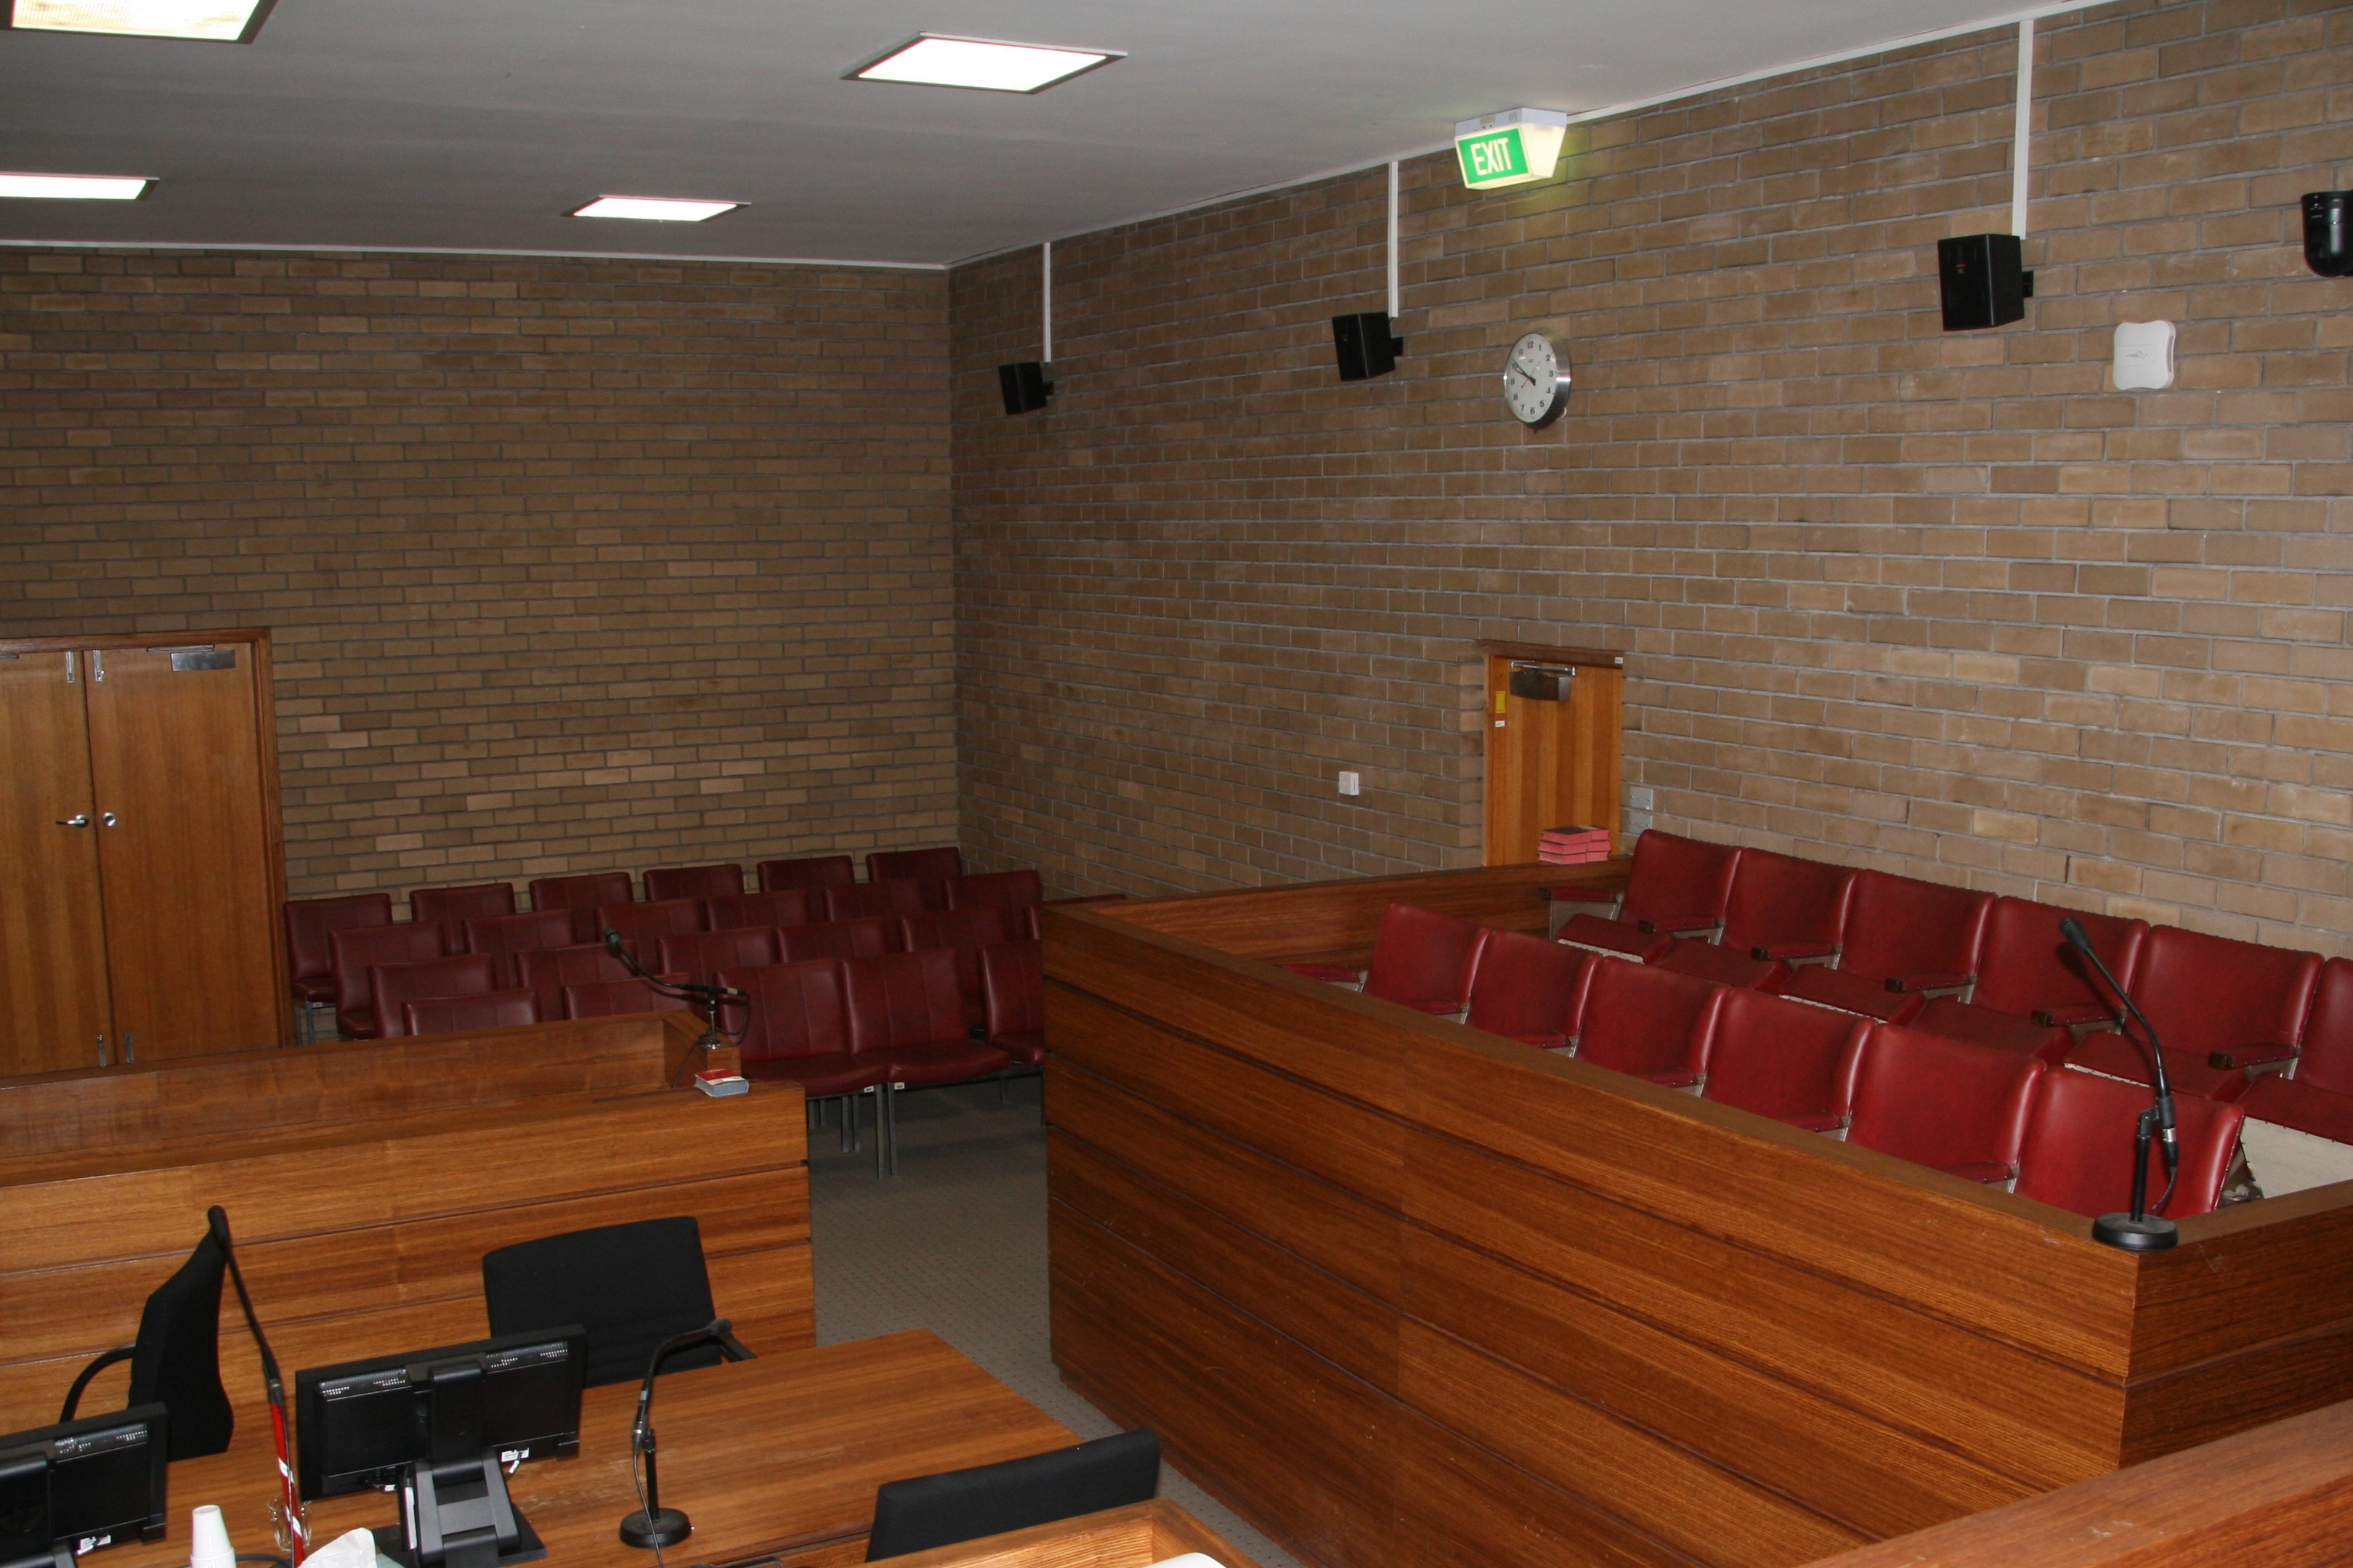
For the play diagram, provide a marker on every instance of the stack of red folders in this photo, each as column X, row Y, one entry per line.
column 1575, row 845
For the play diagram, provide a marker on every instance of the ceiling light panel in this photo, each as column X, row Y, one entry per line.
column 931, row 61
column 73, row 187
column 214, row 21
column 655, row 210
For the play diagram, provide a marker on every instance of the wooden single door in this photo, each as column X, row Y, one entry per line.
column 176, row 765
column 1552, row 763
column 53, row 991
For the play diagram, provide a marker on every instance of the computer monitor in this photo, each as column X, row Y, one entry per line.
column 80, row 1485
column 436, row 1425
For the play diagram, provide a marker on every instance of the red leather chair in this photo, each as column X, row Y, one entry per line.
column 547, row 971
column 2078, row 1152
column 1949, row 1104
column 2314, row 1095
column 582, row 895
column 799, row 1029
column 698, row 955
column 1781, row 910
column 355, row 950
column 1421, row 959
column 643, row 925
column 1651, row 1023
column 2034, row 990
column 453, row 907
column 2221, row 1007
column 615, row 998
column 310, row 962
column 1526, row 987
column 1678, row 887
column 503, row 936
column 694, row 882
column 1016, row 892
column 906, row 1010
column 815, row 871
column 838, row 940
column 1904, row 940
column 1786, row 1060
column 964, row 933
column 1013, row 994
column 488, row 1010
column 936, row 865
column 892, row 901
column 784, row 907
column 393, row 985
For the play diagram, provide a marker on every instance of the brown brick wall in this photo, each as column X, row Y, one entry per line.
column 571, row 564
column 1942, row 604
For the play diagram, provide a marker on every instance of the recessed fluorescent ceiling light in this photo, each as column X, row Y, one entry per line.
column 73, row 187
column 980, row 62
column 218, row 21
column 660, row 209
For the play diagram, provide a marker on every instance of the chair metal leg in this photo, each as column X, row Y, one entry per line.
column 886, row 1130
column 847, row 1103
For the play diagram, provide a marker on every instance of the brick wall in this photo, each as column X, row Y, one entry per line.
column 571, row 565
column 1942, row 604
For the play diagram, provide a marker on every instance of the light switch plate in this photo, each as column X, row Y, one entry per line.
column 2144, row 356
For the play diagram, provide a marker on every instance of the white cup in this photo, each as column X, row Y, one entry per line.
column 209, row 1545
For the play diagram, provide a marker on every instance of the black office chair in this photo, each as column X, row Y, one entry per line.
column 989, row 1500
column 175, row 1361
column 630, row 1286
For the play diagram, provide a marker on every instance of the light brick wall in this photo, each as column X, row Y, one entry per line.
column 571, row 565
column 1942, row 604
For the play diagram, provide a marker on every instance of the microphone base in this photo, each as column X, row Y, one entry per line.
column 667, row 1527
column 2146, row 1235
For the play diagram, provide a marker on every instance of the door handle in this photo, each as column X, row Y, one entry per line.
column 106, row 819
column 79, row 819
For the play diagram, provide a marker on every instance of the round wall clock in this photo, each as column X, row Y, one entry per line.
column 1537, row 378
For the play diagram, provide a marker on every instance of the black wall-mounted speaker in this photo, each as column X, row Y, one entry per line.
column 1025, row 386
column 2329, row 232
column 1982, row 281
column 1364, row 344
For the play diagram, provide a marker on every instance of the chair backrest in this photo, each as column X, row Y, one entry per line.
column 892, row 901
column 2327, row 1060
column 965, row 932
column 549, row 970
column 310, row 920
column 612, row 998
column 2079, row 1142
column 1899, row 925
column 936, row 864
column 797, row 1010
column 1779, row 899
column 643, row 925
column 1785, row 1059
column 694, row 882
column 582, row 895
column 391, row 985
column 784, row 907
column 902, row 999
column 838, row 939
column 2029, row 967
column 1019, row 889
column 487, row 1010
column 175, row 1361
column 456, row 906
column 1526, row 987
column 1941, row 1102
column 814, row 871
column 2210, row 992
column 1013, row 987
column 355, row 950
column 502, row 937
column 1424, row 959
column 630, row 1286
column 989, row 1500
column 1678, row 879
column 1639, row 1019
column 701, row 955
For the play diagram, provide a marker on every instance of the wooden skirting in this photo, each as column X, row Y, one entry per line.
column 1402, row 1290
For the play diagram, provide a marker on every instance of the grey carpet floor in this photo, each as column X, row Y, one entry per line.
column 956, row 1243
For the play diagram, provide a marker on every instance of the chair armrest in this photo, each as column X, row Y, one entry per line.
column 1704, row 926
column 1944, row 983
column 2267, row 1053
column 1800, row 952
column 2076, row 1018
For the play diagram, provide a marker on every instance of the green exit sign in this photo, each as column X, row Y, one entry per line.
column 1495, row 159
column 1511, row 147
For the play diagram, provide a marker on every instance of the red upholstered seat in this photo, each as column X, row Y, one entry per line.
column 1526, row 987
column 582, row 895
column 644, row 925
column 392, row 985
column 612, row 998
column 453, row 907
column 2031, row 974
column 2292, row 1103
column 694, row 882
column 892, row 901
column 700, row 956
column 1678, row 887
column 1651, row 1023
column 1956, row 1020
column 1784, row 1059
column 1957, row 1107
column 782, row 906
column 907, row 1010
column 2319, row 1098
column 355, row 950
column 547, row 971
column 815, row 872
column 934, row 865
column 964, row 933
column 2207, row 995
column 838, row 939
column 1903, row 939
column 1780, row 910
column 310, row 961
column 1421, row 959
column 485, row 1010
column 800, row 1028
column 1016, row 892
column 2078, row 1152
column 1013, row 995
column 501, row 937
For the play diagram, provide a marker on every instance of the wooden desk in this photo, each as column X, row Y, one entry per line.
column 1132, row 1537
column 781, row 1454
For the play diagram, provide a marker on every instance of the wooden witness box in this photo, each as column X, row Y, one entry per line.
column 1405, row 1293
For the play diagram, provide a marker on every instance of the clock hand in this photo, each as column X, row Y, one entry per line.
column 1524, row 375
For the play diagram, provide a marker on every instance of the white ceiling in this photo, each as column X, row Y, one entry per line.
column 431, row 125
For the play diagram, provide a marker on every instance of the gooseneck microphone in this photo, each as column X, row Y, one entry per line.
column 654, row 1525
column 2138, row 1231
column 710, row 997
column 297, row 1533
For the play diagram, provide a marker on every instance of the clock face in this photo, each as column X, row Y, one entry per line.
column 1535, row 379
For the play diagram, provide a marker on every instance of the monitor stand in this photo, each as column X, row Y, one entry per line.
column 459, row 1516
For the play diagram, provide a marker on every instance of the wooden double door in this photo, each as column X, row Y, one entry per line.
column 141, row 866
